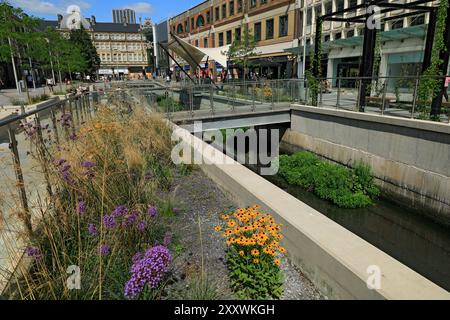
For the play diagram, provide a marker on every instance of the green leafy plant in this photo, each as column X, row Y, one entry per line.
column 254, row 268
column 342, row 186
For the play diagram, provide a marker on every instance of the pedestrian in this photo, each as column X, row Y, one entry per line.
column 50, row 84
column 447, row 82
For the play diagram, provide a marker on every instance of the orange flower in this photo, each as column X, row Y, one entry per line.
column 218, row 228
column 277, row 262
column 225, row 217
column 231, row 223
column 241, row 253
column 282, row 250
column 256, row 261
column 255, row 252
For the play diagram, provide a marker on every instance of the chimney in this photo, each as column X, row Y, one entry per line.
column 93, row 20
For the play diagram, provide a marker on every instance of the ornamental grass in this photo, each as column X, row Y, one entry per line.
column 101, row 235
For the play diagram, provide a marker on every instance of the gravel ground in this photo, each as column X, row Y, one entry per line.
column 201, row 204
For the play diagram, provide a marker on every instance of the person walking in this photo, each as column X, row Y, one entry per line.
column 447, row 82
column 50, row 84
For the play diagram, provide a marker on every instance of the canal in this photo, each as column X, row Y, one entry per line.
column 406, row 235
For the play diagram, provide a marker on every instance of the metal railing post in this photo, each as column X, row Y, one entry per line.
column 414, row 104
column 358, row 96
column 20, row 179
column 383, row 103
column 211, row 98
column 338, row 99
column 54, row 123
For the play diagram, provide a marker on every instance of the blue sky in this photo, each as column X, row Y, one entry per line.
column 102, row 9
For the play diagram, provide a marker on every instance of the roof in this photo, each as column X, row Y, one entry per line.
column 116, row 27
column 44, row 24
column 98, row 26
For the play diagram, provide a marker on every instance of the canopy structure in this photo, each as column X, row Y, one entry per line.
column 194, row 55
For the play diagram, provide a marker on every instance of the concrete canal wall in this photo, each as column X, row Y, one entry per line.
column 336, row 260
column 410, row 158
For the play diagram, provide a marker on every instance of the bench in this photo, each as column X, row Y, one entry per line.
column 388, row 100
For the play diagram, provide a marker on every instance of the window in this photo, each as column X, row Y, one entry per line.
column 208, row 17
column 180, row 28
column 339, row 5
column 263, row 1
column 200, row 21
column 269, row 29
column 196, row 43
column 397, row 24
column 326, row 38
column 229, row 37
column 418, row 20
column 224, row 11
column 252, row 3
column 284, row 26
column 352, row 3
column 239, row 6
column 338, row 36
column 328, row 7
column 258, row 31
column 309, row 17
column 221, row 39
column 186, row 26
column 192, row 24
column 217, row 14
column 205, row 43
column 350, row 33
column 231, row 8
column 237, row 34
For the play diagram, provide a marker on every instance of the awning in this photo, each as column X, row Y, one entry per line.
column 194, row 55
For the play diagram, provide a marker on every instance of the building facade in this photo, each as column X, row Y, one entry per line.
column 122, row 47
column 285, row 32
column 124, row 16
column 215, row 23
column 401, row 45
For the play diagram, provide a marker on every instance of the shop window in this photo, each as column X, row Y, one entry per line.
column 326, row 38
column 350, row 33
column 337, row 36
column 205, row 43
column 397, row 24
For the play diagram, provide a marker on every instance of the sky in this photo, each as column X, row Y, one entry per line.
column 157, row 10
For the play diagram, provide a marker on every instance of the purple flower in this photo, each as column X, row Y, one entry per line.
column 142, row 226
column 81, row 207
column 87, row 164
column 61, row 162
column 167, row 238
column 149, row 270
column 104, row 250
column 92, row 229
column 119, row 211
column 152, row 212
column 131, row 219
column 73, row 137
column 66, row 119
column 137, row 257
column 109, row 222
column 33, row 252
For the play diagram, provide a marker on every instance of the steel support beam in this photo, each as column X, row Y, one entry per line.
column 429, row 41
column 444, row 57
column 366, row 66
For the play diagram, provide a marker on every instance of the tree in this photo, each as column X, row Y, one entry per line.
column 242, row 49
column 17, row 31
column 81, row 39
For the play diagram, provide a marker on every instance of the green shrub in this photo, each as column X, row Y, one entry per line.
column 344, row 187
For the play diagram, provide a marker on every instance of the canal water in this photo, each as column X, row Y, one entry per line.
column 405, row 235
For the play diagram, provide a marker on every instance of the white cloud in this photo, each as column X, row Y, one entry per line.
column 140, row 7
column 47, row 7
